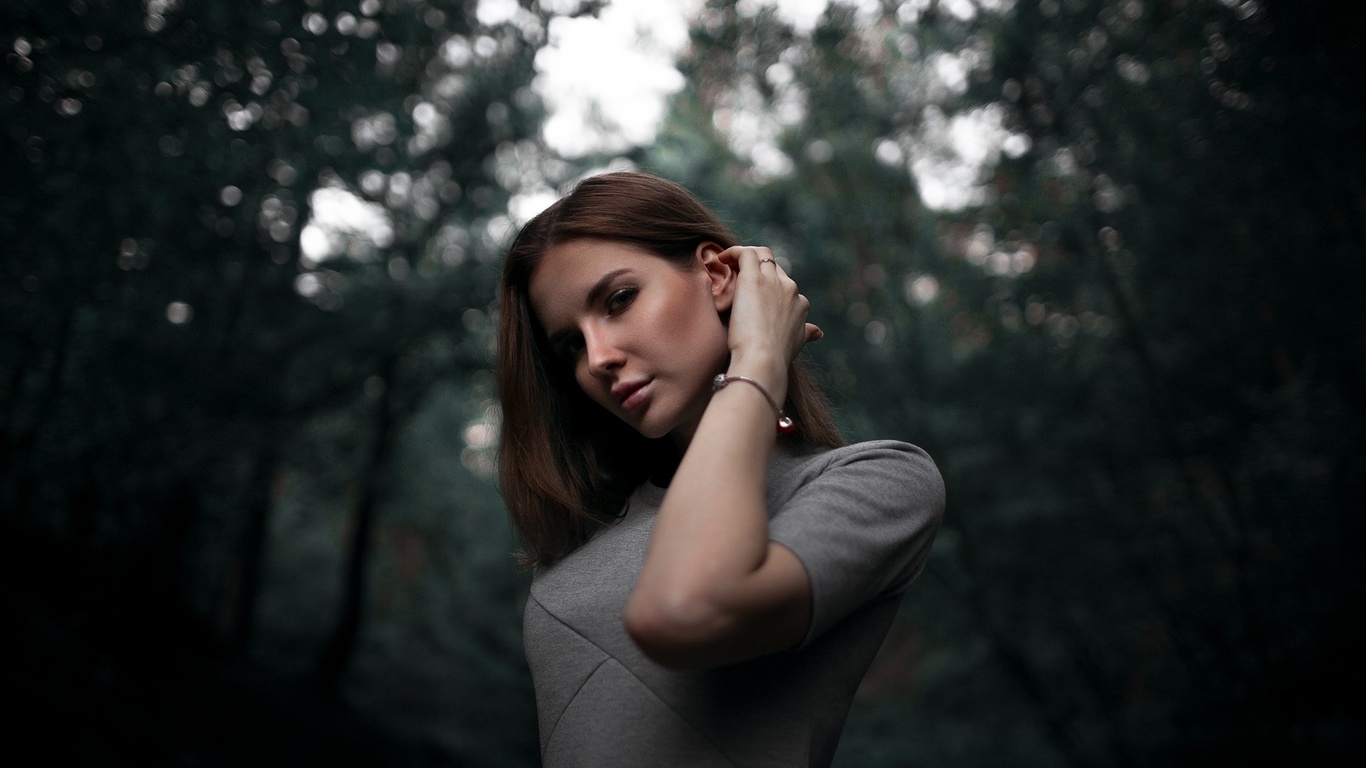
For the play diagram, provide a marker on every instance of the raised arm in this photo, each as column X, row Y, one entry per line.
column 714, row 589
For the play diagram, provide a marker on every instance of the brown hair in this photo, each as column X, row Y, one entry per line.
column 566, row 466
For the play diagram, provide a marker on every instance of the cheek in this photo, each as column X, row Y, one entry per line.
column 704, row 332
column 584, row 379
column 592, row 386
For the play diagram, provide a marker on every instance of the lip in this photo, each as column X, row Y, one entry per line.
column 631, row 394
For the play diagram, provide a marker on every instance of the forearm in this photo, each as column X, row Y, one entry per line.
column 713, row 589
column 710, row 574
column 712, row 526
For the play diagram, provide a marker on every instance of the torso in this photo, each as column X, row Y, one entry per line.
column 602, row 703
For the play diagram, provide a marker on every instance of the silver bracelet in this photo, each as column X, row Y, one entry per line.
column 785, row 422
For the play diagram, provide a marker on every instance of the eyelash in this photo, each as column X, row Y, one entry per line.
column 619, row 300
column 615, row 302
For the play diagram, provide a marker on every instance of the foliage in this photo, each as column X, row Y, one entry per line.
column 243, row 242
column 1099, row 257
column 1134, row 346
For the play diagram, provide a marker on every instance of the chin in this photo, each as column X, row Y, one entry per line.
column 656, row 426
column 653, row 431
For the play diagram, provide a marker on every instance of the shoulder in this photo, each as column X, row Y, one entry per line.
column 872, row 450
column 889, row 466
column 866, row 486
column 861, row 519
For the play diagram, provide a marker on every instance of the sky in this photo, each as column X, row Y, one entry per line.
column 620, row 66
column 607, row 79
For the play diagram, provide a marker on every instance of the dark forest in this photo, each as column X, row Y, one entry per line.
column 248, row 254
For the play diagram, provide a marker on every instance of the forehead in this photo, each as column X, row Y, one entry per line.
column 561, row 282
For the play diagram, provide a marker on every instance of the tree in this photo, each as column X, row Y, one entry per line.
column 226, row 224
column 1128, row 332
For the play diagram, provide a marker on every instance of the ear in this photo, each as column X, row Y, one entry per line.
column 720, row 274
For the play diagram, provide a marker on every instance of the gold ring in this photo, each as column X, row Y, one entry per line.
column 770, row 261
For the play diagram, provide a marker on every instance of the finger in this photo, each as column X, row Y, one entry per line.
column 749, row 257
column 814, row 333
column 735, row 256
column 769, row 259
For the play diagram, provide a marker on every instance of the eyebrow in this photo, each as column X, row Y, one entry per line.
column 594, row 295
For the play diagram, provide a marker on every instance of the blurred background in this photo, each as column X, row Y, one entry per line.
column 1102, row 258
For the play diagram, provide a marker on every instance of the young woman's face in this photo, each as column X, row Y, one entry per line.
column 643, row 337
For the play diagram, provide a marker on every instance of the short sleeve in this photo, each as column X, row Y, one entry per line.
column 861, row 520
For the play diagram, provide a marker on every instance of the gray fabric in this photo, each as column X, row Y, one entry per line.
column 860, row 518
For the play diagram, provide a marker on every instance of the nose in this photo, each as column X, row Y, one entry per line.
column 600, row 353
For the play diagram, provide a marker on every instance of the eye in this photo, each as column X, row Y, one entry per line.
column 568, row 349
column 619, row 300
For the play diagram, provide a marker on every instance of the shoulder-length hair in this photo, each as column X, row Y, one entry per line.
column 566, row 465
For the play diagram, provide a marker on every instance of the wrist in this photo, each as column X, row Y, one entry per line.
column 784, row 423
column 768, row 370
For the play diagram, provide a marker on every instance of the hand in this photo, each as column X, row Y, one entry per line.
column 768, row 315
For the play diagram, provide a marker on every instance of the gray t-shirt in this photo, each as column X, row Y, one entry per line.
column 860, row 518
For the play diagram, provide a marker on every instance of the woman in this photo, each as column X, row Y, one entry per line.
column 714, row 569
